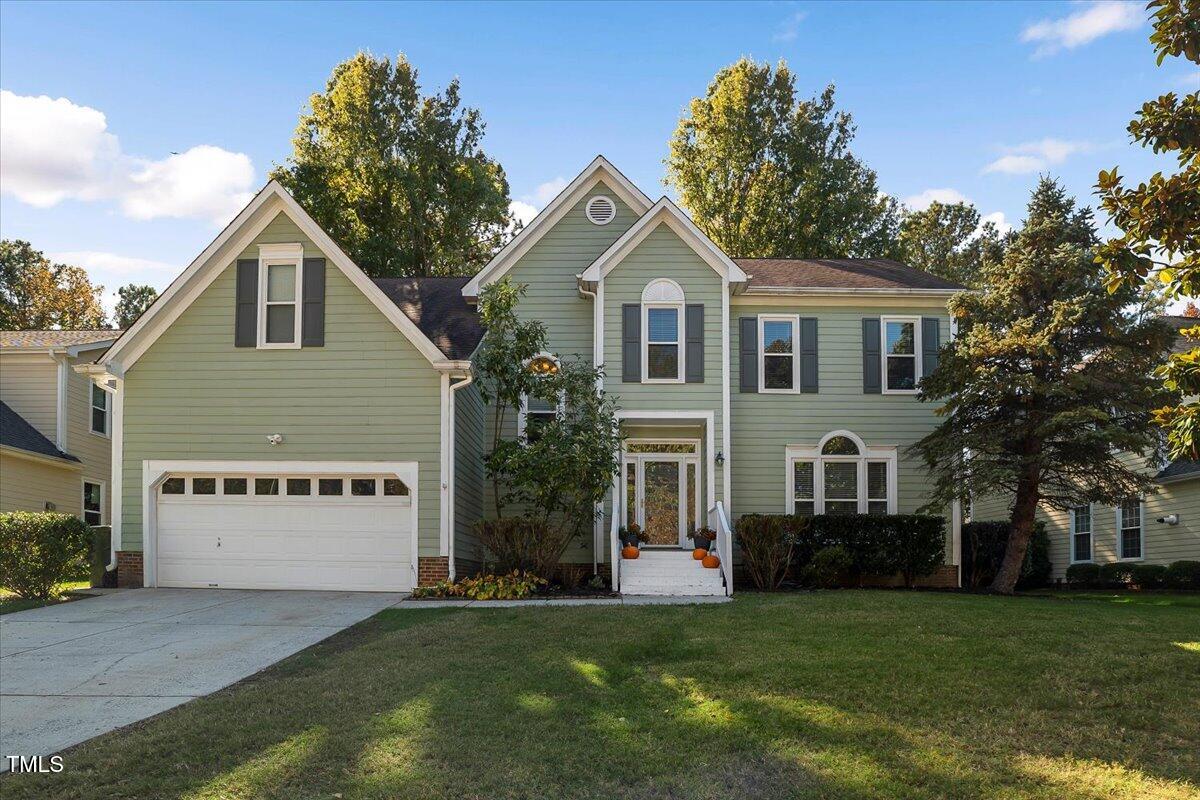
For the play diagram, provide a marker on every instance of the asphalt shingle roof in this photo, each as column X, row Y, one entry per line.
column 39, row 339
column 838, row 273
column 437, row 307
column 16, row 432
column 1179, row 468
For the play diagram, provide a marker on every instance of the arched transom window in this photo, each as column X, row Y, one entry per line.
column 662, row 332
column 841, row 475
column 535, row 412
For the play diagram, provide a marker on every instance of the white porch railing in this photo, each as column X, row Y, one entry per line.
column 614, row 549
column 720, row 523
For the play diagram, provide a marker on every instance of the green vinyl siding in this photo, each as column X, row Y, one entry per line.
column 765, row 424
column 469, row 476
column 368, row 394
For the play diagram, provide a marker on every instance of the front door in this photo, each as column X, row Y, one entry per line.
column 661, row 496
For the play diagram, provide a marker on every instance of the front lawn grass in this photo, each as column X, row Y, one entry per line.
column 11, row 603
column 842, row 694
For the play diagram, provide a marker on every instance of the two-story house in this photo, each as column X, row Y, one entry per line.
column 284, row 421
column 55, row 425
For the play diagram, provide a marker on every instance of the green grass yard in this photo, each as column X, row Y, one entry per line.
column 11, row 603
column 826, row 695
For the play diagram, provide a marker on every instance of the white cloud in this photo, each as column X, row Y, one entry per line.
column 522, row 211
column 113, row 271
column 53, row 150
column 545, row 192
column 789, row 29
column 997, row 219
column 1097, row 19
column 922, row 201
column 1034, row 156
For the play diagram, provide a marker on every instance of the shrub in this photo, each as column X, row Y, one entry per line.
column 916, row 544
column 983, row 546
column 1183, row 575
column 519, row 544
column 1149, row 576
column 39, row 551
column 827, row 566
column 767, row 542
column 1115, row 575
column 1083, row 574
column 884, row 544
column 513, row 586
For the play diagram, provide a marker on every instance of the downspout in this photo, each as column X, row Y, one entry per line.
column 450, row 500
column 116, row 468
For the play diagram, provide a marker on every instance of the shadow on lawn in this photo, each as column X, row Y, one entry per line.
column 653, row 703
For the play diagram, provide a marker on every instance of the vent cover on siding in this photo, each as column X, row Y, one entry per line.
column 601, row 210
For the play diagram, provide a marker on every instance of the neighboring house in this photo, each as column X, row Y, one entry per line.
column 284, row 421
column 55, row 425
column 1159, row 528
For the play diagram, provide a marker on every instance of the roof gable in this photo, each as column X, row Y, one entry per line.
column 599, row 171
column 271, row 201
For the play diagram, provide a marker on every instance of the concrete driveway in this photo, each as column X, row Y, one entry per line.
column 76, row 670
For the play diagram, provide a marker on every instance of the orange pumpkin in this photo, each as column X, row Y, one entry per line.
column 711, row 562
column 699, row 553
column 629, row 551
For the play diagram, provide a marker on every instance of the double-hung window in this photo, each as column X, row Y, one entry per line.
column 537, row 412
column 280, row 278
column 779, row 353
column 901, row 353
column 1081, row 533
column 841, row 476
column 99, row 417
column 662, row 332
column 1129, row 520
column 93, row 503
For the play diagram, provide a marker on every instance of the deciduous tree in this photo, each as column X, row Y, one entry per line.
column 1049, row 381
column 950, row 241
column 764, row 174
column 398, row 178
column 36, row 294
column 132, row 300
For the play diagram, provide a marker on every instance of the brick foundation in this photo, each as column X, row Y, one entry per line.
column 432, row 569
column 129, row 569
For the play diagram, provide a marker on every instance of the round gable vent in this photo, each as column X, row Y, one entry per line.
column 601, row 210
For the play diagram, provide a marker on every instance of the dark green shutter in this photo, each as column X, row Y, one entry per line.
column 312, row 324
column 694, row 337
column 748, row 354
column 872, row 356
column 631, row 343
column 931, row 343
column 808, row 355
column 245, row 314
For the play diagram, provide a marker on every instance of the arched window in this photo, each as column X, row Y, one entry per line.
column 662, row 331
column 841, row 475
column 535, row 412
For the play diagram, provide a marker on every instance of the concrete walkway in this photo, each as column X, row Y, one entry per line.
column 72, row 671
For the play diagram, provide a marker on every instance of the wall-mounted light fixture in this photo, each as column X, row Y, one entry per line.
column 1169, row 519
column 720, row 459
column 274, row 439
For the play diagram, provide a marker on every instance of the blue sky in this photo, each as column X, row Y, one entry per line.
column 952, row 100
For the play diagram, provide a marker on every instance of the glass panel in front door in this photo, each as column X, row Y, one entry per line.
column 661, row 501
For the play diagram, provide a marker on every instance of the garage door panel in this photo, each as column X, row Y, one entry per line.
column 285, row 542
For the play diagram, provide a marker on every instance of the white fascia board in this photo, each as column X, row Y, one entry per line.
column 599, row 170
column 664, row 211
column 29, row 455
column 235, row 238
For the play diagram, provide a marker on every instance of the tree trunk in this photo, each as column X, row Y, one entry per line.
column 1020, row 530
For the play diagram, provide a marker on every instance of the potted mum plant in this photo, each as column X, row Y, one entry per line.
column 632, row 537
column 703, row 539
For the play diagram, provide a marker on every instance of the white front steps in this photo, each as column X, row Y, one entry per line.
column 669, row 572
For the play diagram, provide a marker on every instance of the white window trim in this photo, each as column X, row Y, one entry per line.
column 107, row 432
column 794, row 320
column 83, row 498
column 916, row 356
column 794, row 453
column 1091, row 535
column 279, row 255
column 1141, row 533
column 523, row 408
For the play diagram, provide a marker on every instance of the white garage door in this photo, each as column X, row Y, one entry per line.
column 313, row 531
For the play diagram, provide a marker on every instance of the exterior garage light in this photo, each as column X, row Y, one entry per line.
column 274, row 439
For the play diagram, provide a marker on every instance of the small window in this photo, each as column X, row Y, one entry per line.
column 299, row 486
column 900, row 349
column 394, row 487
column 841, row 487
column 778, row 354
column 280, row 278
column 99, row 411
column 330, row 487
column 1081, row 533
column 362, row 487
column 877, row 487
column 662, row 344
column 538, row 414
column 173, row 486
column 1131, row 529
column 234, row 486
column 802, row 488
column 204, row 485
column 266, row 486
column 601, row 210
column 92, row 500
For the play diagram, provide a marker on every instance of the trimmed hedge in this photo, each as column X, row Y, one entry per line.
column 1084, row 574
column 1183, row 575
column 1115, row 575
column 39, row 551
column 983, row 546
column 1119, row 575
column 1149, row 576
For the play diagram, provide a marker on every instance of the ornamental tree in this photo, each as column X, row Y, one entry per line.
column 1049, row 383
